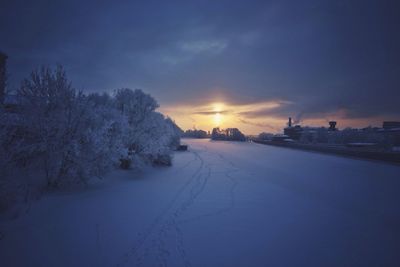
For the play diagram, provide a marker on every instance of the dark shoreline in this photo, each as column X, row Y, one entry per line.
column 390, row 157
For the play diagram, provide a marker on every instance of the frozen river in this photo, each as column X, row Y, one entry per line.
column 220, row 204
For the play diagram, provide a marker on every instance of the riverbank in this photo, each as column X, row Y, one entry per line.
column 392, row 157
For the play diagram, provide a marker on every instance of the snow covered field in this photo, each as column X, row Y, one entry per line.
column 220, row 204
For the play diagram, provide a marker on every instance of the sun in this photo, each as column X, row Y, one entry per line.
column 217, row 118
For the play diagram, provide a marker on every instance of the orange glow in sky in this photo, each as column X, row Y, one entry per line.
column 252, row 118
column 224, row 115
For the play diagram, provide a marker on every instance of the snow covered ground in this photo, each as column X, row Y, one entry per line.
column 220, row 204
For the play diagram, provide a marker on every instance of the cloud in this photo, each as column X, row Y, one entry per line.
column 324, row 59
column 211, row 112
column 209, row 46
column 249, row 109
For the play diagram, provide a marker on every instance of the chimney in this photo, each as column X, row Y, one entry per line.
column 290, row 122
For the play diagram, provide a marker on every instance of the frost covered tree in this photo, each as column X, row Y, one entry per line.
column 56, row 123
column 150, row 136
column 112, row 128
column 68, row 137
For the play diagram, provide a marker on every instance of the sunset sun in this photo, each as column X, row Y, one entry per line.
column 217, row 119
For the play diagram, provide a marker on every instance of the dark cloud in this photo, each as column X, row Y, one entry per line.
column 322, row 56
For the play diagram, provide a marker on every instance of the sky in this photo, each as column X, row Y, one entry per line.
column 245, row 64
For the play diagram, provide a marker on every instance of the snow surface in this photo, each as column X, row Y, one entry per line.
column 220, row 204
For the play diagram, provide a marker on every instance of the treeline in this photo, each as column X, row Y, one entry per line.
column 229, row 134
column 195, row 134
column 53, row 136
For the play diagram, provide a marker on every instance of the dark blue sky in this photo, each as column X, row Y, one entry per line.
column 319, row 56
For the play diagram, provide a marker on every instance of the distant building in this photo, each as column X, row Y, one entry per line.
column 391, row 132
column 281, row 138
column 265, row 136
column 389, row 125
column 293, row 132
column 385, row 138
